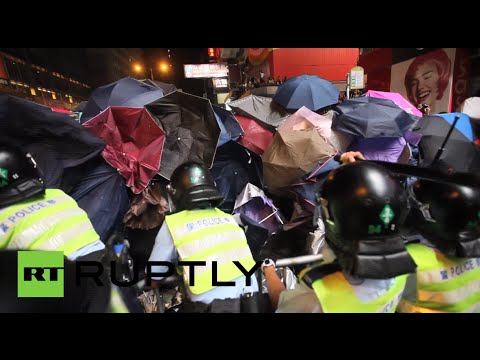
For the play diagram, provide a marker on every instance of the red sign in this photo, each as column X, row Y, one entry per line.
column 198, row 71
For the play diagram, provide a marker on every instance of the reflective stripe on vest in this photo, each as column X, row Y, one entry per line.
column 117, row 304
column 444, row 284
column 209, row 235
column 50, row 222
column 336, row 295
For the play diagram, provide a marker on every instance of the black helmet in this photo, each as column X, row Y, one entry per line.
column 19, row 176
column 363, row 207
column 192, row 186
column 448, row 216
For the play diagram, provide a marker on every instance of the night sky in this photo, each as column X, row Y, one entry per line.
column 85, row 64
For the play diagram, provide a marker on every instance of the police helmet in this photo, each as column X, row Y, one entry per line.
column 20, row 178
column 363, row 207
column 192, row 186
column 448, row 215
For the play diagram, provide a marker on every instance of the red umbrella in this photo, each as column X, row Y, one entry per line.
column 134, row 143
column 256, row 137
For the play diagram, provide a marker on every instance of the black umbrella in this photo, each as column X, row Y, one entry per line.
column 230, row 128
column 166, row 88
column 459, row 152
column 234, row 167
column 369, row 117
column 260, row 108
column 191, row 129
column 55, row 140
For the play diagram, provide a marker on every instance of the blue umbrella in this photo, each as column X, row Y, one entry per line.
column 124, row 92
column 463, row 124
column 310, row 91
column 230, row 129
column 307, row 187
column 369, row 117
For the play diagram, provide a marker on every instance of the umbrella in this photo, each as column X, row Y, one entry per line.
column 463, row 124
column 307, row 187
column 260, row 108
column 291, row 240
column 147, row 209
column 80, row 107
column 383, row 149
column 101, row 192
column 124, row 92
column 254, row 204
column 397, row 98
column 310, row 91
column 134, row 143
column 370, row 117
column 191, row 128
column 166, row 88
column 256, row 137
column 292, row 154
column 233, row 168
column 54, row 139
column 459, row 153
column 305, row 118
column 230, row 129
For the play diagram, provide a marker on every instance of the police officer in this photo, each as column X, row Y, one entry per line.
column 363, row 207
column 448, row 256
column 199, row 231
column 35, row 218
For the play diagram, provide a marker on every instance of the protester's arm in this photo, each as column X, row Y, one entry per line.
column 274, row 284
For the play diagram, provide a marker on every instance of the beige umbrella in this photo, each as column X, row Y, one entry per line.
column 292, row 154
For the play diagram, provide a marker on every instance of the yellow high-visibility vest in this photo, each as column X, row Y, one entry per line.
column 443, row 284
column 209, row 235
column 336, row 295
column 51, row 222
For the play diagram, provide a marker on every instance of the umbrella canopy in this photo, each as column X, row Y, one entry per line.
column 307, row 187
column 233, row 168
column 382, row 149
column 397, row 98
column 80, row 107
column 124, row 92
column 54, row 139
column 134, row 143
column 292, row 154
column 191, row 128
column 102, row 193
column 254, row 204
column 148, row 209
column 256, row 137
column 230, row 129
column 310, row 91
column 291, row 240
column 260, row 108
column 370, row 117
column 459, row 153
column 305, row 118
column 463, row 124
column 166, row 88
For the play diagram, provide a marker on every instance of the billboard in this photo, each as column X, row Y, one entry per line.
column 426, row 79
column 199, row 71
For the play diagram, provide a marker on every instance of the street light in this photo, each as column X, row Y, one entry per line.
column 164, row 67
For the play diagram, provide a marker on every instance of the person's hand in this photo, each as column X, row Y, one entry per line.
column 350, row 156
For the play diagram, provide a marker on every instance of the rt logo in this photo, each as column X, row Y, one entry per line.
column 40, row 274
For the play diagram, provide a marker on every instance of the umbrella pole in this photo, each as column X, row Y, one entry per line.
column 442, row 148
